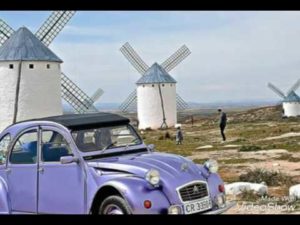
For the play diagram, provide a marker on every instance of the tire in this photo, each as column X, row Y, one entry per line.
column 114, row 205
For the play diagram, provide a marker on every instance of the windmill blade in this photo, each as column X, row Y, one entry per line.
column 294, row 87
column 53, row 25
column 129, row 103
column 80, row 101
column 181, row 104
column 135, row 60
column 5, row 31
column 276, row 90
column 176, row 58
column 95, row 97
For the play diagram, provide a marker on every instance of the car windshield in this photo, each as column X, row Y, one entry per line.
column 90, row 140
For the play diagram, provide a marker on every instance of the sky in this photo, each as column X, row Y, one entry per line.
column 234, row 53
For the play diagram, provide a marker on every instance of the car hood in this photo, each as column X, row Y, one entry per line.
column 174, row 170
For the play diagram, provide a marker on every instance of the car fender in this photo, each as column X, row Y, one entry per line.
column 136, row 190
column 4, row 202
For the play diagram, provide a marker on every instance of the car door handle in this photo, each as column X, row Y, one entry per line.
column 41, row 170
column 8, row 170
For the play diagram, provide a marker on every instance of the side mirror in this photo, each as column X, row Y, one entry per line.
column 151, row 147
column 68, row 159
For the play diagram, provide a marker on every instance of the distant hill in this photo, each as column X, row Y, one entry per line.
column 111, row 106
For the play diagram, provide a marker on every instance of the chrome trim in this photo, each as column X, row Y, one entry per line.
column 221, row 210
column 187, row 184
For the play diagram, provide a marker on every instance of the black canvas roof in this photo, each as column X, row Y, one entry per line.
column 87, row 121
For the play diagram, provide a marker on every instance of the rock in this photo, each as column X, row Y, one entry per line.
column 294, row 191
column 205, row 146
column 238, row 187
column 272, row 151
column 232, row 146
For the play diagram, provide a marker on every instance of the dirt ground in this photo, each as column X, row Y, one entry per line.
column 257, row 138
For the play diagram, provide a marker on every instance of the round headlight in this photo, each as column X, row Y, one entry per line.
column 212, row 165
column 153, row 177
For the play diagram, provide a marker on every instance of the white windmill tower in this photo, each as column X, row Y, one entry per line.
column 31, row 81
column 136, row 61
column 156, row 97
column 291, row 101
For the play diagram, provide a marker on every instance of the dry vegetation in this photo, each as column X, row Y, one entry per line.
column 257, row 139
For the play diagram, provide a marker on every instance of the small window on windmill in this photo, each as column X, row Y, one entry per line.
column 48, row 66
column 31, row 66
column 143, row 85
column 11, row 66
column 163, row 85
column 152, row 85
column 171, row 85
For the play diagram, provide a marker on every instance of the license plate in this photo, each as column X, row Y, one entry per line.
column 197, row 206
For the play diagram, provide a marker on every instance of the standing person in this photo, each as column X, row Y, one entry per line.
column 192, row 120
column 223, row 121
column 179, row 136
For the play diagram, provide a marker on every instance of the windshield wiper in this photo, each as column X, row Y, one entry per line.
column 108, row 146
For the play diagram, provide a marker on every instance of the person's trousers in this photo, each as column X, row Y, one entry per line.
column 222, row 128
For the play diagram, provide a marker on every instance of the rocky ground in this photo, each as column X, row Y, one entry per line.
column 257, row 139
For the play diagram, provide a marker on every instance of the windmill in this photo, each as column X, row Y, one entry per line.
column 49, row 30
column 137, row 62
column 291, row 101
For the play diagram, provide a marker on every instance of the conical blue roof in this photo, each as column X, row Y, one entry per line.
column 292, row 97
column 156, row 74
column 24, row 45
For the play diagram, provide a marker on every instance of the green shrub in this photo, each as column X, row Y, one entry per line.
column 249, row 148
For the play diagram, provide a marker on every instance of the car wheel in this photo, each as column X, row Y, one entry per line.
column 114, row 205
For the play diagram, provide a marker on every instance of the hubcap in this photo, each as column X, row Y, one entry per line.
column 113, row 209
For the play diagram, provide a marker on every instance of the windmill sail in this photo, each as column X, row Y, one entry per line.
column 181, row 104
column 53, row 25
column 135, row 60
column 5, row 31
column 80, row 101
column 294, row 87
column 176, row 58
column 129, row 103
column 276, row 90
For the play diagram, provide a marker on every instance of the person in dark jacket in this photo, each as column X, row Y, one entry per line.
column 222, row 123
column 179, row 136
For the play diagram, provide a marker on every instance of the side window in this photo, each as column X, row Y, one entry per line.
column 54, row 146
column 25, row 149
column 5, row 141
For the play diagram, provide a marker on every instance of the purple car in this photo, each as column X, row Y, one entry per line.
column 98, row 164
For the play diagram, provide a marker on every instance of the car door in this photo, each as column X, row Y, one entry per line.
column 22, row 172
column 61, row 186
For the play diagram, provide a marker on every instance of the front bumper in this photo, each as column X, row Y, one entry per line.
column 222, row 210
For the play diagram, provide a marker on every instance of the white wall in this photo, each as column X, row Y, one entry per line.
column 8, row 79
column 291, row 109
column 40, row 91
column 149, row 108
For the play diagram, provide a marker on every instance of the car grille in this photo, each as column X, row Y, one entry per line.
column 193, row 191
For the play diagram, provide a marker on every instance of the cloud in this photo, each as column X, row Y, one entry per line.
column 234, row 54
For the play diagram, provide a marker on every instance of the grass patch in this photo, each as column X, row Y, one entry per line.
column 248, row 195
column 271, row 178
column 239, row 161
column 289, row 158
column 249, row 148
column 199, row 161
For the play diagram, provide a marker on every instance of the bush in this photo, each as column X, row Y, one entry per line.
column 148, row 129
column 249, row 148
column 271, row 178
column 167, row 135
column 161, row 137
column 248, row 195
